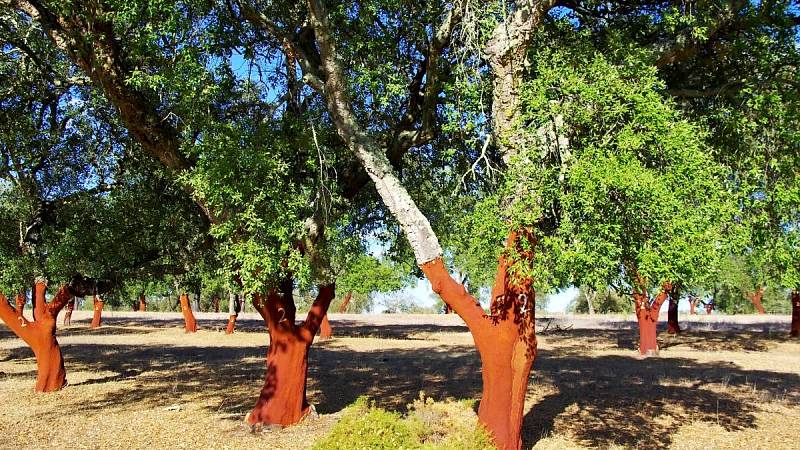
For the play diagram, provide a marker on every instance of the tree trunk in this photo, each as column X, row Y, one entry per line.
column 505, row 339
column 755, row 299
column 325, row 330
column 215, row 300
column 40, row 335
column 68, row 311
column 189, row 324
column 345, row 302
column 505, row 373
column 795, row 314
column 647, row 316
column 648, row 343
column 692, row 305
column 142, row 303
column 591, row 294
column 97, row 318
column 673, row 327
column 283, row 398
column 233, row 312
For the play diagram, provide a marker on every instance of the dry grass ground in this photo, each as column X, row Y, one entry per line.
column 140, row 382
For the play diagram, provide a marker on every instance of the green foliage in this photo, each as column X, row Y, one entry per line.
column 429, row 425
column 604, row 302
column 613, row 177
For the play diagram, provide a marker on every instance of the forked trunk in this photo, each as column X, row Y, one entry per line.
column 505, row 339
column 68, row 312
column 692, row 306
column 142, row 303
column 325, row 330
column 283, row 399
column 189, row 324
column 40, row 335
column 233, row 312
column 755, row 299
column 795, row 314
column 647, row 316
column 97, row 318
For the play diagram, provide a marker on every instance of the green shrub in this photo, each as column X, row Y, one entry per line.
column 429, row 425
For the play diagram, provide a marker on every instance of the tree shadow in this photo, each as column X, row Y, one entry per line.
column 596, row 399
column 638, row 403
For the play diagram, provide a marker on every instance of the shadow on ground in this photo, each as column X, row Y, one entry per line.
column 597, row 399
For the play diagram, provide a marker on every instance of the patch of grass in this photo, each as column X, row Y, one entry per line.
column 429, row 425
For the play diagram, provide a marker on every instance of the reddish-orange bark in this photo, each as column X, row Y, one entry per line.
column 19, row 302
column 325, row 330
column 68, row 311
column 795, row 332
column 98, row 312
column 345, row 302
column 647, row 316
column 755, row 299
column 505, row 339
column 189, row 323
column 283, row 398
column 142, row 303
column 672, row 311
column 234, row 306
column 693, row 301
column 40, row 335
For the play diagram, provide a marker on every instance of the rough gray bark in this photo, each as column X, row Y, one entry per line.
column 369, row 152
column 506, row 53
column 591, row 294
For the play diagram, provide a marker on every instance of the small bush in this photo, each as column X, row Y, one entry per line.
column 429, row 425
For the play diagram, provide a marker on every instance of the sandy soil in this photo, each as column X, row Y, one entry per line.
column 140, row 382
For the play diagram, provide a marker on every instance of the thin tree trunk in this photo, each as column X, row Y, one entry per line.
column 591, row 294
column 692, row 305
column 283, row 398
column 795, row 332
column 673, row 327
column 195, row 303
column 68, row 312
column 190, row 325
column 40, row 335
column 19, row 302
column 233, row 312
column 755, row 299
column 345, row 302
column 97, row 318
column 215, row 301
column 142, row 303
